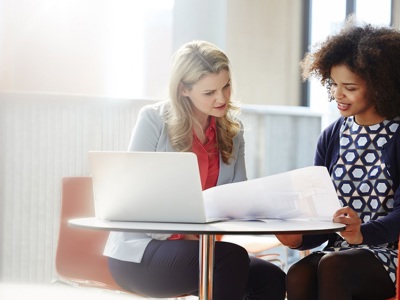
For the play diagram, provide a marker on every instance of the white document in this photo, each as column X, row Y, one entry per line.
column 301, row 193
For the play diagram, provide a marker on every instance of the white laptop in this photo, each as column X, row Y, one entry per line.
column 147, row 186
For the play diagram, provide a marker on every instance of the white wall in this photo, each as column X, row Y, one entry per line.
column 264, row 43
column 262, row 39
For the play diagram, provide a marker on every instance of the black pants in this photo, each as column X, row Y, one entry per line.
column 344, row 275
column 171, row 268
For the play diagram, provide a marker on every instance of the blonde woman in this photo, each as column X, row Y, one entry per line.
column 198, row 117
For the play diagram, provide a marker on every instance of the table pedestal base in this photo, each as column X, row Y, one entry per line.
column 206, row 260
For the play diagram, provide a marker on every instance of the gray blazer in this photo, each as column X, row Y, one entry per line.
column 150, row 134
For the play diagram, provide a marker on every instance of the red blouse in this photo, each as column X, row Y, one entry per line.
column 207, row 156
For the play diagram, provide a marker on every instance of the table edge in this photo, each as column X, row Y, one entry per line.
column 74, row 223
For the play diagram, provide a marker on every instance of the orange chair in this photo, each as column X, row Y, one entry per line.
column 79, row 258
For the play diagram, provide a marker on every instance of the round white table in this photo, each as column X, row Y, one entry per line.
column 207, row 233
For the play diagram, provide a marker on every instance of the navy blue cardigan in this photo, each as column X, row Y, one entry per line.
column 375, row 232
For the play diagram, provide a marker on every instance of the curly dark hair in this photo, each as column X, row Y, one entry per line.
column 371, row 52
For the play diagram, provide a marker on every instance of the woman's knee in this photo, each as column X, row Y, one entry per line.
column 297, row 272
column 331, row 264
column 264, row 269
column 231, row 250
column 304, row 270
column 232, row 255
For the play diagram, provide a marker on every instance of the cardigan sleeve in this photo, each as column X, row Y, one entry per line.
column 387, row 228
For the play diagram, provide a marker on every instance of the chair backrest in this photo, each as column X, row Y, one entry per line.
column 79, row 257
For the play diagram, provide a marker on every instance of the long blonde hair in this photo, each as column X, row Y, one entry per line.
column 191, row 62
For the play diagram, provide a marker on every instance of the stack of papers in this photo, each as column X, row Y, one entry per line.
column 301, row 193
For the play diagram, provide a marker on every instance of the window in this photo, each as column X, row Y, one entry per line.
column 326, row 17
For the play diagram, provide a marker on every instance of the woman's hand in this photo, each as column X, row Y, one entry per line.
column 352, row 234
column 290, row 240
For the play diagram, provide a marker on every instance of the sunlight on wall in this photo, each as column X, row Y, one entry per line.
column 127, row 36
column 95, row 47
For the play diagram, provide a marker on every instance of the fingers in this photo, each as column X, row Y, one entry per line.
column 350, row 218
column 346, row 215
column 345, row 211
column 347, row 220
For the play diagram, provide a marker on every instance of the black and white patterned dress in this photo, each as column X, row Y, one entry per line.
column 363, row 182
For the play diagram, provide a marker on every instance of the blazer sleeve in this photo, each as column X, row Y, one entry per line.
column 145, row 137
column 235, row 171
column 147, row 130
column 240, row 165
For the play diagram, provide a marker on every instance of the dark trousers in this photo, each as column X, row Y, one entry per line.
column 171, row 268
column 346, row 275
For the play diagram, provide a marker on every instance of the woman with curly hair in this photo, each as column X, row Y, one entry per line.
column 200, row 117
column 360, row 66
